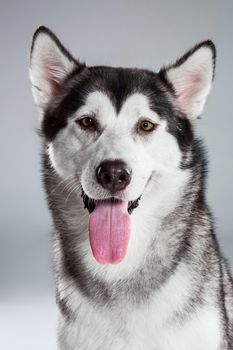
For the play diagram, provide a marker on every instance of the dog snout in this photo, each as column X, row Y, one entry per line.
column 113, row 175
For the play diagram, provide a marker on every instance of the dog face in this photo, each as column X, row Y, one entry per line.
column 118, row 131
column 132, row 134
column 99, row 114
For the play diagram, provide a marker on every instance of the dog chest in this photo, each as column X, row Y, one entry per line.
column 148, row 327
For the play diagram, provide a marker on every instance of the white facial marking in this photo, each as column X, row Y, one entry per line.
column 99, row 104
column 75, row 150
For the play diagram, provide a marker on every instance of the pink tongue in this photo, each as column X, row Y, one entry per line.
column 109, row 230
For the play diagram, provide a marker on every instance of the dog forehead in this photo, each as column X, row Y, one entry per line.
column 134, row 106
column 100, row 104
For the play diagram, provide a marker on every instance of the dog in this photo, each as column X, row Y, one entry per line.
column 137, row 262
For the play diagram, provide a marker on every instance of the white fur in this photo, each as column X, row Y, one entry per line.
column 149, row 326
column 157, row 153
column 192, row 81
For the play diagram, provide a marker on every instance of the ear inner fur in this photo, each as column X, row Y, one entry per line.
column 190, row 78
column 50, row 65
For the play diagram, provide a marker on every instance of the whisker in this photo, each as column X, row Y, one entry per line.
column 150, row 178
column 72, row 190
column 69, row 184
column 61, row 182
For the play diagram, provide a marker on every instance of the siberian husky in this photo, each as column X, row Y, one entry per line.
column 137, row 263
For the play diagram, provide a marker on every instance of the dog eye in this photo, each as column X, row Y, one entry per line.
column 87, row 122
column 146, row 126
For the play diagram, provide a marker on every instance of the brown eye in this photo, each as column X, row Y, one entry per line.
column 87, row 122
column 146, row 125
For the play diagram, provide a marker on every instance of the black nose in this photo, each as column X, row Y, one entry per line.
column 113, row 175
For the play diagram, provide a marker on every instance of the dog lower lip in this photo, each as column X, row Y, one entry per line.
column 90, row 203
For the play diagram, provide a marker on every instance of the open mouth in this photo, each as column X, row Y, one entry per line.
column 90, row 203
column 109, row 227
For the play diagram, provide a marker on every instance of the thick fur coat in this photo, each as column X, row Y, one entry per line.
column 172, row 289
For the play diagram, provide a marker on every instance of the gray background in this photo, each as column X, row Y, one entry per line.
column 128, row 33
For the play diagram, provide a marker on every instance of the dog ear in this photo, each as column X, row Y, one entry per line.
column 191, row 77
column 50, row 64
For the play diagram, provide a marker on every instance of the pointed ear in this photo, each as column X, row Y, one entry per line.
column 191, row 77
column 50, row 64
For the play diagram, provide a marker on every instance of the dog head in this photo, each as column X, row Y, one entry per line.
column 117, row 130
